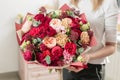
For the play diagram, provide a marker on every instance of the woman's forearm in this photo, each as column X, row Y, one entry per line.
column 103, row 52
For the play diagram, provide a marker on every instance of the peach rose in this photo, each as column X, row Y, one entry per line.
column 50, row 42
column 85, row 38
column 66, row 22
column 61, row 39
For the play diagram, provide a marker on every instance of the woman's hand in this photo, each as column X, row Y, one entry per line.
column 72, row 68
column 86, row 58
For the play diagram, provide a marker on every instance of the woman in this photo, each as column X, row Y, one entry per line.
column 102, row 15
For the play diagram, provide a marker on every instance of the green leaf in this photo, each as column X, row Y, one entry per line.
column 39, row 40
column 34, row 41
column 36, row 23
column 80, row 50
column 47, row 59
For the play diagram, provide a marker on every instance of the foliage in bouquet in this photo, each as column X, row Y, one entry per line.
column 56, row 38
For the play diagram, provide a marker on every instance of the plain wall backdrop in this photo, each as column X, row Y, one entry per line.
column 9, row 9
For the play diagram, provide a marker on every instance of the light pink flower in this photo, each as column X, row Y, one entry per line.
column 67, row 57
column 57, row 25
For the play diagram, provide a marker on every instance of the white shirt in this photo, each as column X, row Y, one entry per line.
column 103, row 22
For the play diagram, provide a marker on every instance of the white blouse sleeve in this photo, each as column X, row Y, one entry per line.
column 111, row 14
column 62, row 2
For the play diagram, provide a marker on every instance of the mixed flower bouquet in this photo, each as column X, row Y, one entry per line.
column 57, row 38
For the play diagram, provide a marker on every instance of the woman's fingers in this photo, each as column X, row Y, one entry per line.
column 72, row 68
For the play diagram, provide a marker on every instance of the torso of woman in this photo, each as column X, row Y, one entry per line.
column 103, row 22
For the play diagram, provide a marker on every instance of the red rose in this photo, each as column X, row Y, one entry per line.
column 27, row 55
column 70, row 48
column 57, row 52
column 42, row 32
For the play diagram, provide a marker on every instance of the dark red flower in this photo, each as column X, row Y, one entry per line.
column 39, row 17
column 40, row 57
column 42, row 32
column 70, row 48
column 38, row 32
column 50, row 31
column 74, row 35
column 43, row 47
column 56, row 52
column 34, row 31
column 27, row 55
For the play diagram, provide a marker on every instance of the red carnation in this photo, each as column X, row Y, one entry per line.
column 27, row 55
column 70, row 48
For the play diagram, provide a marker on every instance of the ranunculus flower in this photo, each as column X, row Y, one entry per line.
column 57, row 52
column 61, row 39
column 70, row 47
column 27, row 55
column 50, row 42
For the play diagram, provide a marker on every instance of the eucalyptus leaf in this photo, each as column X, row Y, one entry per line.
column 34, row 41
column 80, row 50
column 47, row 59
column 39, row 40
column 36, row 23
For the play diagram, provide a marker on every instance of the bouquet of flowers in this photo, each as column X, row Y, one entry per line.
column 57, row 38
